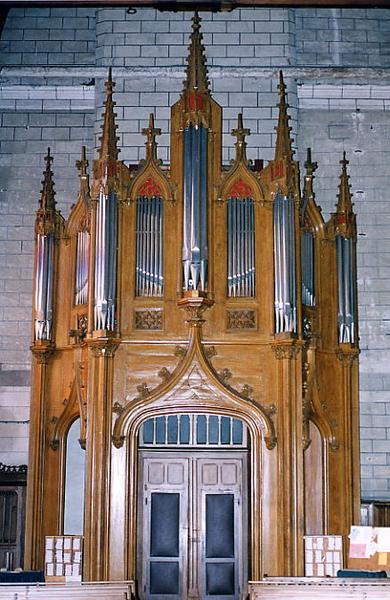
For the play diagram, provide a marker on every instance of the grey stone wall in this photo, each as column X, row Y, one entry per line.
column 336, row 65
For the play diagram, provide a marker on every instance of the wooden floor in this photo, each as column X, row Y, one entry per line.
column 313, row 588
column 123, row 590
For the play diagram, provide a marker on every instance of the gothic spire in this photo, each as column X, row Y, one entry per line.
column 108, row 148
column 196, row 74
column 47, row 201
column 344, row 204
column 151, row 145
column 283, row 149
column 240, row 133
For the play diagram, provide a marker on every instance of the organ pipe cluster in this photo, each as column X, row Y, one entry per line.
column 105, row 260
column 307, row 260
column 284, row 265
column 195, row 253
column 241, row 247
column 82, row 266
column 149, row 247
column 346, row 280
column 44, row 282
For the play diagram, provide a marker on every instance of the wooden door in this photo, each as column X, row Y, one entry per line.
column 192, row 520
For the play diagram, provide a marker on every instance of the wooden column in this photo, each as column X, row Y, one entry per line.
column 98, row 460
column 34, row 543
column 290, row 467
column 347, row 356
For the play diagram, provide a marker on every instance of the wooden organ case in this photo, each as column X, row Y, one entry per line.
column 179, row 310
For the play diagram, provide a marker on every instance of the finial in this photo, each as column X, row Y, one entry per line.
column 151, row 132
column 344, row 204
column 309, row 165
column 308, row 193
column 196, row 76
column 283, row 149
column 108, row 148
column 47, row 201
column 240, row 134
column 82, row 164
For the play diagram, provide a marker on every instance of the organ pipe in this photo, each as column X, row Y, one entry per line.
column 149, row 247
column 195, row 252
column 284, row 264
column 241, row 239
column 105, row 260
column 82, row 264
column 307, row 259
column 44, row 282
column 346, row 281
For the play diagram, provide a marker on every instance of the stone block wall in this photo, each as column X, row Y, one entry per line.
column 336, row 66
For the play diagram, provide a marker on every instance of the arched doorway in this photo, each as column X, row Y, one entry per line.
column 192, row 507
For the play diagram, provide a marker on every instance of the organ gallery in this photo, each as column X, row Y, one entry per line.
column 195, row 342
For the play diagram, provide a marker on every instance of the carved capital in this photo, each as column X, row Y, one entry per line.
column 103, row 347
column 118, row 408
column 289, row 351
column 195, row 304
column 347, row 357
column 42, row 353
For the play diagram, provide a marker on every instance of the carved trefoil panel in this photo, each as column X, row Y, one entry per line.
column 241, row 319
column 148, row 319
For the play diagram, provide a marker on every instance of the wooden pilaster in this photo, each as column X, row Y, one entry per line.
column 98, row 458
column 34, row 543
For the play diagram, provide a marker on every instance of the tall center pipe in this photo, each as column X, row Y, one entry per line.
column 195, row 252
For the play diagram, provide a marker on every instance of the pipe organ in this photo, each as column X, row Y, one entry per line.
column 199, row 300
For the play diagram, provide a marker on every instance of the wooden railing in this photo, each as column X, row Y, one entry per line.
column 296, row 588
column 123, row 590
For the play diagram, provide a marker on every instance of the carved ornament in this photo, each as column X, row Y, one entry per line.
column 150, row 188
column 148, row 319
column 241, row 319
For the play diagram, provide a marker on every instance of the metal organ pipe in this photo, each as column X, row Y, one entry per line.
column 346, row 282
column 195, row 252
column 307, row 258
column 82, row 262
column 241, row 251
column 44, row 287
column 149, row 246
column 105, row 261
column 284, row 264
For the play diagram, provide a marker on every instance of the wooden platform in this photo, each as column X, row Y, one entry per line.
column 312, row 588
column 123, row 590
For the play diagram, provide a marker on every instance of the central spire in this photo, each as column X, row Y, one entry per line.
column 196, row 74
column 150, row 133
column 283, row 149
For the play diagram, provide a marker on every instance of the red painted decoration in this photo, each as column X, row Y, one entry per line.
column 195, row 101
column 277, row 169
column 150, row 188
column 240, row 190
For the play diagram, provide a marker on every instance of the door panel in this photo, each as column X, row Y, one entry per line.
column 193, row 522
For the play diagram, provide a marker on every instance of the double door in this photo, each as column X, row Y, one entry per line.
column 192, row 521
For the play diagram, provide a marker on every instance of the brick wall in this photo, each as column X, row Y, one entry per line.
column 51, row 93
